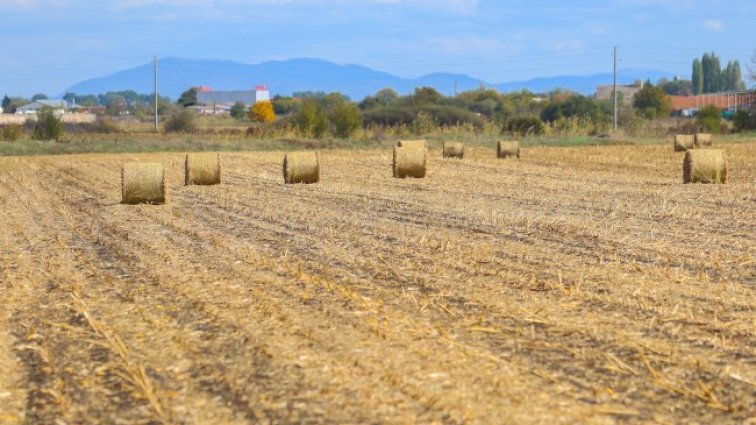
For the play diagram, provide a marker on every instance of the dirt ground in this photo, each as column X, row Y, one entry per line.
column 576, row 285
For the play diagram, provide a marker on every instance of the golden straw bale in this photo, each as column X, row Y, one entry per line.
column 410, row 162
column 684, row 142
column 413, row 143
column 505, row 149
column 143, row 183
column 454, row 150
column 202, row 169
column 702, row 140
column 301, row 167
column 705, row 166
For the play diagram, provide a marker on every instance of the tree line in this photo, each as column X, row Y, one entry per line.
column 709, row 76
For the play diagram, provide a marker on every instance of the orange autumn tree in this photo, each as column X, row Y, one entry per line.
column 262, row 112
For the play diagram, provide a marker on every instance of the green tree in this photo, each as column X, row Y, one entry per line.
column 238, row 110
column 7, row 104
column 697, row 77
column 383, row 97
column 712, row 73
column 743, row 121
column 188, row 97
column 652, row 101
column 571, row 106
column 345, row 119
column 49, row 126
column 426, row 96
column 676, row 87
column 117, row 105
column 181, row 121
column 311, row 119
column 15, row 103
column 729, row 78
column 737, row 77
column 70, row 97
column 710, row 118
column 39, row 96
column 283, row 105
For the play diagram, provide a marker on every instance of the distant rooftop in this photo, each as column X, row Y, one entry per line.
column 206, row 95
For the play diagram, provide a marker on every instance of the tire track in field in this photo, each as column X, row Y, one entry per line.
column 51, row 340
column 589, row 342
column 213, row 367
column 394, row 376
column 362, row 361
column 631, row 351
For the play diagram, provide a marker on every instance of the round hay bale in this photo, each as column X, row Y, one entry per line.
column 413, row 144
column 506, row 149
column 683, row 142
column 705, row 166
column 301, row 167
column 202, row 169
column 410, row 162
column 454, row 150
column 143, row 183
column 703, row 139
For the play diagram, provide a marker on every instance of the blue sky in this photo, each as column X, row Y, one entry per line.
column 48, row 45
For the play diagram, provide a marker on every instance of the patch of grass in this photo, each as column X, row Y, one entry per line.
column 187, row 143
column 141, row 143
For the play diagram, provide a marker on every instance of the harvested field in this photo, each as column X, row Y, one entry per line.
column 577, row 285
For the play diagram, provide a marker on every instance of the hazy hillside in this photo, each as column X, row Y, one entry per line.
column 285, row 77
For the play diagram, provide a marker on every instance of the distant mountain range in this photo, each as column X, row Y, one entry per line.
column 286, row 77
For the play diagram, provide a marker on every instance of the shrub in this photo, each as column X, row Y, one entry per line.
column 710, row 118
column 571, row 106
column 743, row 121
column 423, row 123
column 443, row 115
column 103, row 125
column 523, row 126
column 652, row 101
column 12, row 132
column 311, row 119
column 262, row 112
column 345, row 119
column 286, row 105
column 257, row 131
column 389, row 116
column 451, row 115
column 237, row 111
column 48, row 127
column 181, row 121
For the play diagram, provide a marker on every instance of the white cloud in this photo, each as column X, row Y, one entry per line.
column 714, row 25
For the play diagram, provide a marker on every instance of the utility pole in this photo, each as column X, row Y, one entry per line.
column 154, row 64
column 614, row 121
